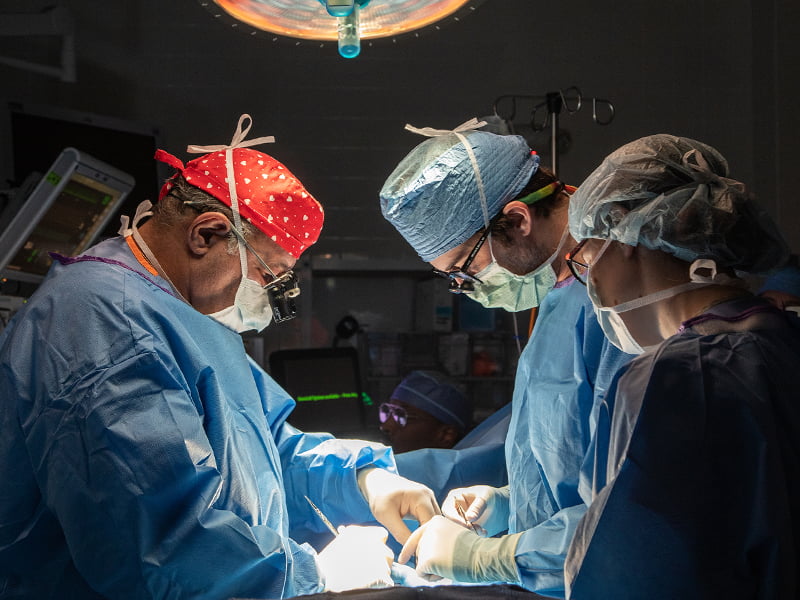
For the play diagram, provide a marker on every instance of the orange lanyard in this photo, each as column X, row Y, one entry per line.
column 139, row 256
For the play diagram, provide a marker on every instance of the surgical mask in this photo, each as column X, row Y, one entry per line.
column 612, row 324
column 250, row 310
column 609, row 317
column 500, row 288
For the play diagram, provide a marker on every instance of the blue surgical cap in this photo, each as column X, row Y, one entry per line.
column 432, row 196
column 785, row 279
column 431, row 392
column 673, row 194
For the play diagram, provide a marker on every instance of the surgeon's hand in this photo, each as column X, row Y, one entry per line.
column 485, row 507
column 357, row 558
column 391, row 498
column 447, row 549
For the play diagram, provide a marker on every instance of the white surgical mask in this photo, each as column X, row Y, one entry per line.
column 500, row 288
column 250, row 310
column 609, row 316
column 612, row 324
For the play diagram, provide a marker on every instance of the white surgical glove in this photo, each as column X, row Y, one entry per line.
column 391, row 498
column 357, row 558
column 449, row 550
column 484, row 506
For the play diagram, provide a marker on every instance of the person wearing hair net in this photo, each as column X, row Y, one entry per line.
column 425, row 411
column 695, row 490
column 143, row 454
column 478, row 207
column 782, row 287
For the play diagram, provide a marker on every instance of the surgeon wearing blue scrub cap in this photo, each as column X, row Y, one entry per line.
column 143, row 454
column 694, row 493
column 479, row 208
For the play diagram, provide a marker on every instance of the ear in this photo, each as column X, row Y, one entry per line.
column 520, row 216
column 206, row 230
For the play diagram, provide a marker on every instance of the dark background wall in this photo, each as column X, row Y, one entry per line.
column 722, row 72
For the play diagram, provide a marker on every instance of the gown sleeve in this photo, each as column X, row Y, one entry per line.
column 127, row 468
column 318, row 465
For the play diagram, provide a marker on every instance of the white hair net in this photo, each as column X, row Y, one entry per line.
column 672, row 194
column 432, row 196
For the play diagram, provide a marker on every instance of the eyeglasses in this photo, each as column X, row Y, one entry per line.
column 579, row 270
column 396, row 412
column 462, row 282
column 282, row 289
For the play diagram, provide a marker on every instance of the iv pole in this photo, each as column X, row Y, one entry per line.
column 550, row 106
column 569, row 99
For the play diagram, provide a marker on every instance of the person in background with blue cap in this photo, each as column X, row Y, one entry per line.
column 481, row 211
column 425, row 411
column 695, row 489
column 782, row 287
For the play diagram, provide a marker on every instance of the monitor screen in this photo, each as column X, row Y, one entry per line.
column 65, row 213
column 326, row 384
column 37, row 133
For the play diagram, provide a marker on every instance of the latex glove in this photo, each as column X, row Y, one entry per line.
column 484, row 506
column 357, row 558
column 391, row 498
column 447, row 549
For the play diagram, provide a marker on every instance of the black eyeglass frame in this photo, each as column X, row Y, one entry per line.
column 580, row 276
column 462, row 282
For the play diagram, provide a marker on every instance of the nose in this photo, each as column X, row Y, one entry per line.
column 389, row 427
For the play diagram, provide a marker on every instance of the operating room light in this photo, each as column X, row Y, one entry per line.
column 346, row 21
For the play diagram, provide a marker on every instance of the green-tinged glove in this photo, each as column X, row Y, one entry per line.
column 447, row 549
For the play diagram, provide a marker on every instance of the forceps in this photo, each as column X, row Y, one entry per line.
column 322, row 516
column 463, row 516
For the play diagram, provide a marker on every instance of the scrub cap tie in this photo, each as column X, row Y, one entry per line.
column 470, row 125
column 450, row 186
column 255, row 186
column 673, row 194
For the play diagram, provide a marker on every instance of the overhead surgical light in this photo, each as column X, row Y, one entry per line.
column 345, row 21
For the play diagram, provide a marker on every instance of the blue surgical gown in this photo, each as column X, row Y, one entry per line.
column 478, row 458
column 697, row 488
column 562, row 378
column 143, row 455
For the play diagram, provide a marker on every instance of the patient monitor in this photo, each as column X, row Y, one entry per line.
column 64, row 213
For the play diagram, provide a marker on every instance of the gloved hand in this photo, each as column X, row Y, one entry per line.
column 391, row 498
column 357, row 558
column 484, row 506
column 447, row 549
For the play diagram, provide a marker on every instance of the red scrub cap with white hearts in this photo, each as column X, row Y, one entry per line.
column 262, row 190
